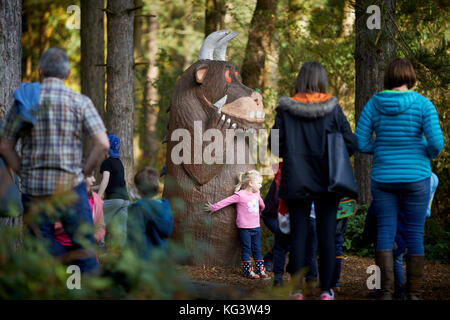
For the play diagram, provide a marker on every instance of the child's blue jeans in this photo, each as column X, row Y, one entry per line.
column 250, row 243
column 73, row 218
column 399, row 273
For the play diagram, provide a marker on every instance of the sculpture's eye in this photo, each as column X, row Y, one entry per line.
column 227, row 76
column 238, row 76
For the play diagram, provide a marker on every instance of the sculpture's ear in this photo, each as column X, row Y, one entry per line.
column 200, row 72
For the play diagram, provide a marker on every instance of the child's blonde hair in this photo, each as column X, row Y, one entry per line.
column 245, row 177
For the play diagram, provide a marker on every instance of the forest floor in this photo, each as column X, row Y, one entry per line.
column 228, row 283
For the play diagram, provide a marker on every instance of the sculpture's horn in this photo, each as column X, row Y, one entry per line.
column 208, row 46
column 221, row 47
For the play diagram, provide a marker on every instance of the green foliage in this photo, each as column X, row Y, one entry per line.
column 28, row 271
column 44, row 26
column 437, row 241
column 353, row 242
column 31, row 273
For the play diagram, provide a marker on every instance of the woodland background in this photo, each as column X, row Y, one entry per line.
column 127, row 56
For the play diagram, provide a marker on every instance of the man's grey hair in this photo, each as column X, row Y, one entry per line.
column 54, row 63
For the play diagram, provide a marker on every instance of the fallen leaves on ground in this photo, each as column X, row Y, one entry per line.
column 353, row 279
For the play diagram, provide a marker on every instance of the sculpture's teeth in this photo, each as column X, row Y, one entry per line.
column 228, row 121
column 223, row 118
column 220, row 103
column 263, row 115
column 258, row 114
column 252, row 114
column 233, row 126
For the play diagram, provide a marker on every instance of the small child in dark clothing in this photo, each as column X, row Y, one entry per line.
column 116, row 199
column 341, row 228
column 150, row 221
column 282, row 240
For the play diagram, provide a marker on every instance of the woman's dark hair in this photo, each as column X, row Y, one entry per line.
column 399, row 72
column 312, row 77
column 146, row 181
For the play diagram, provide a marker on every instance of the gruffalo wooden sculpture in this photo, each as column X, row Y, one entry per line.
column 208, row 95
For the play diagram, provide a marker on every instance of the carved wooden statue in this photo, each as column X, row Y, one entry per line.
column 208, row 95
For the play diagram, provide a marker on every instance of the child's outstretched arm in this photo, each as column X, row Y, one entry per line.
column 223, row 203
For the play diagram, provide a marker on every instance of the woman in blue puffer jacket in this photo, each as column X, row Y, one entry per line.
column 408, row 135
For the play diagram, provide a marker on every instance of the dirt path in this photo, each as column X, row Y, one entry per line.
column 228, row 283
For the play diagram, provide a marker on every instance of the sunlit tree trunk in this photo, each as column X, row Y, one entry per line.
column 348, row 19
column 294, row 12
column 150, row 90
column 188, row 49
column 374, row 49
column 120, row 79
column 147, row 51
column 10, row 67
column 260, row 37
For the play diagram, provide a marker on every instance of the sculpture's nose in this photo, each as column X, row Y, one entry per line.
column 257, row 97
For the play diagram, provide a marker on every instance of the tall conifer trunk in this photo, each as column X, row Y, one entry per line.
column 10, row 69
column 120, row 79
column 374, row 49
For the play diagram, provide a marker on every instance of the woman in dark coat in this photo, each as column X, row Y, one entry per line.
column 304, row 122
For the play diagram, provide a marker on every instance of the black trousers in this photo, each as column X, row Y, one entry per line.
column 299, row 211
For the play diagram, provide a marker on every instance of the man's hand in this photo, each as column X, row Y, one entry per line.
column 100, row 147
column 9, row 154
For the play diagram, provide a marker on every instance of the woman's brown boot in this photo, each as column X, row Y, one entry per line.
column 385, row 261
column 414, row 276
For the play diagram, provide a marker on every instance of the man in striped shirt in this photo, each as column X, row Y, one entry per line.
column 50, row 165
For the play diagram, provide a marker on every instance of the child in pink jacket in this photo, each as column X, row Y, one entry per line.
column 96, row 205
column 248, row 206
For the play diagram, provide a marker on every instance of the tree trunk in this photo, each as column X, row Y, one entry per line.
column 10, row 66
column 147, row 114
column 93, row 53
column 348, row 19
column 294, row 12
column 214, row 15
column 188, row 48
column 259, row 43
column 373, row 51
column 120, row 79
column 150, row 141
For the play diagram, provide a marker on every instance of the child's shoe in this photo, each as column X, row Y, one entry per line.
column 248, row 270
column 261, row 270
column 297, row 295
column 278, row 281
column 327, row 295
